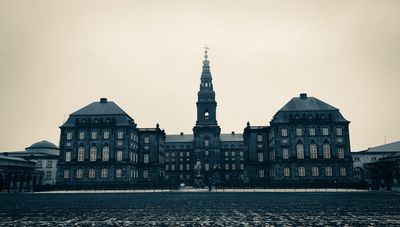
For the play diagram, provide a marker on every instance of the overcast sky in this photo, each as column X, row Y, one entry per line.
column 58, row 56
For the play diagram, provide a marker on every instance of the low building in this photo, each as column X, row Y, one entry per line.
column 371, row 155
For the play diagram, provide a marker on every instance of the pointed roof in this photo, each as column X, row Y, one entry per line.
column 206, row 64
column 103, row 107
column 304, row 103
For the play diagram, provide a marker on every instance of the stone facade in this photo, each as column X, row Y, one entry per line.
column 307, row 141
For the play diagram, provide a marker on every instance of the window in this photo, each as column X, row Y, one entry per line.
column 104, row 173
column 312, row 131
column 302, row 171
column 94, row 135
column 341, row 152
column 181, row 167
column 207, row 167
column 272, row 172
column 146, row 139
column 315, row 171
column 226, row 166
column 167, row 167
column 342, row 171
column 327, row 151
column 226, row 153
column 373, row 159
column 172, row 167
column 206, row 153
column 286, row 172
column 146, row 158
column 106, row 153
column 173, row 154
column 79, row 173
column 69, row 135
column 48, row 174
column 300, row 151
column 325, row 131
column 357, row 159
column 206, row 114
column 81, row 135
column 166, row 154
column 241, row 154
column 260, row 157
column 145, row 174
column 118, row 173
column 66, row 173
column 92, row 173
column 259, row 146
column 181, row 154
column 120, row 135
column 261, row 173
column 313, row 151
column 328, row 171
column 187, row 154
column 259, row 138
column 299, row 131
column 93, row 154
column 339, row 131
column 49, row 164
column 285, row 153
column 284, row 132
column 81, row 154
column 106, row 135
column 68, row 156
column 146, row 147
column 241, row 166
column 119, row 155
column 39, row 164
column 206, row 142
column 187, row 166
column 272, row 155
column 233, row 166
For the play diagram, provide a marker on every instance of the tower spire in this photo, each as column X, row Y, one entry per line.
column 206, row 64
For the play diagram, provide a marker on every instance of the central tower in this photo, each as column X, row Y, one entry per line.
column 206, row 132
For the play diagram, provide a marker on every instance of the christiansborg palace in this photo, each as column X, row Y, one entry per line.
column 306, row 141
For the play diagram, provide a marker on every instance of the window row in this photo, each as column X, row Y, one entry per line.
column 104, row 173
column 311, row 131
column 313, row 152
column 39, row 164
column 94, row 135
column 301, row 171
column 93, row 154
column 233, row 166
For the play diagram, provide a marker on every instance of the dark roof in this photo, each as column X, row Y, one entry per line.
column 179, row 138
column 390, row 147
column 103, row 107
column 229, row 137
column 304, row 103
column 42, row 145
column 99, row 109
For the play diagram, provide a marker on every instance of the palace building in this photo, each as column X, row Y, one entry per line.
column 307, row 141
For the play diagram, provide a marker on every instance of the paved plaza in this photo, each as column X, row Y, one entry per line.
column 201, row 209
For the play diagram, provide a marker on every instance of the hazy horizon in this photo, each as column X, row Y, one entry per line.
column 59, row 56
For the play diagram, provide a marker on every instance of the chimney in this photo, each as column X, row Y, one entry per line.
column 103, row 100
column 181, row 133
column 303, row 96
column 233, row 132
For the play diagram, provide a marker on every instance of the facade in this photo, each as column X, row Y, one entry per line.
column 100, row 145
column 307, row 141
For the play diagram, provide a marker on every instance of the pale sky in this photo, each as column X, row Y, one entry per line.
column 58, row 56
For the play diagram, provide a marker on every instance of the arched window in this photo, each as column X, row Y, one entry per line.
column 93, row 153
column 206, row 114
column 300, row 151
column 81, row 153
column 328, row 171
column 106, row 153
column 313, row 151
column 327, row 151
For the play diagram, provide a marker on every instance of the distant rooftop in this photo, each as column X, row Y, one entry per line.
column 390, row 147
column 304, row 103
column 104, row 107
column 179, row 138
